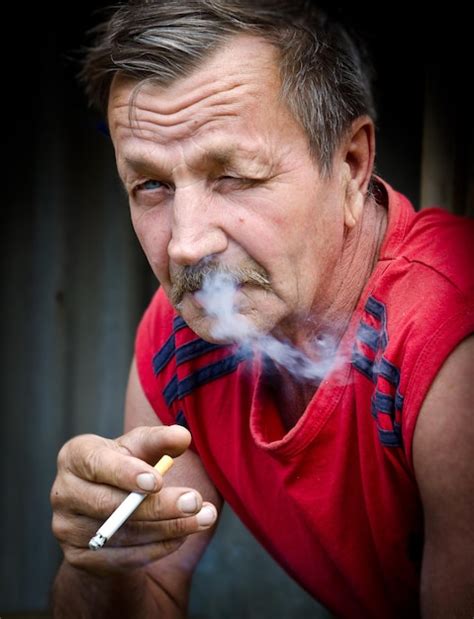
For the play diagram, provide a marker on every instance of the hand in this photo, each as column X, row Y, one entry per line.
column 95, row 475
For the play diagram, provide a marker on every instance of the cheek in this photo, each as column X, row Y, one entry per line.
column 153, row 234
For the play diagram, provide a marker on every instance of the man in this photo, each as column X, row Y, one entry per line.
column 244, row 138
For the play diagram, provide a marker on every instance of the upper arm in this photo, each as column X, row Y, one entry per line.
column 443, row 454
column 187, row 471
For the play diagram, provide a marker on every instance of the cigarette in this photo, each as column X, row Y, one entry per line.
column 125, row 510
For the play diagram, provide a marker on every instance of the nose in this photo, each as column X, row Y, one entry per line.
column 195, row 229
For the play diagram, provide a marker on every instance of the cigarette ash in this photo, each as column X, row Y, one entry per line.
column 217, row 297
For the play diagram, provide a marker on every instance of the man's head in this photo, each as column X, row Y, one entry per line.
column 226, row 158
column 325, row 79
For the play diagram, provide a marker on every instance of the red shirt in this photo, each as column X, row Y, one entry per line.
column 334, row 500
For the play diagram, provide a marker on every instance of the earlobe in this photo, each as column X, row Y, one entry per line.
column 354, row 203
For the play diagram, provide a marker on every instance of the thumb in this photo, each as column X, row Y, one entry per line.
column 149, row 443
column 126, row 462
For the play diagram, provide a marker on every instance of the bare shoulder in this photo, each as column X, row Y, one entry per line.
column 443, row 454
column 444, row 435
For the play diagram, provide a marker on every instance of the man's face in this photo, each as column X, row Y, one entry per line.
column 217, row 168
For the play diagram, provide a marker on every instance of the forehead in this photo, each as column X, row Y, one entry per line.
column 239, row 85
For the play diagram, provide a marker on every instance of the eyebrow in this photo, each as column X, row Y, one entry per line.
column 220, row 156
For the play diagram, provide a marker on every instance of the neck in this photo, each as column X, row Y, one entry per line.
column 332, row 311
column 358, row 259
column 330, row 319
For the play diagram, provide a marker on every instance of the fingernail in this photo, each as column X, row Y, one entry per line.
column 187, row 503
column 206, row 516
column 146, row 481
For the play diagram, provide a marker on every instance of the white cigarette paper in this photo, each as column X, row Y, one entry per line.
column 125, row 510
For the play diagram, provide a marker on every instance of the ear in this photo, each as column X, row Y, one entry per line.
column 358, row 154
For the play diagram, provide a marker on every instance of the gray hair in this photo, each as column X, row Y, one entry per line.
column 325, row 76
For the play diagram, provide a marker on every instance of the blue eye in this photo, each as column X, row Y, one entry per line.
column 150, row 185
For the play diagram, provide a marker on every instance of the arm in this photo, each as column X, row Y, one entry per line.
column 146, row 569
column 443, row 448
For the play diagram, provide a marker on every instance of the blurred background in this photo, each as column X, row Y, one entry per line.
column 74, row 282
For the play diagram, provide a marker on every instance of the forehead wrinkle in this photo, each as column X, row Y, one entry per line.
column 184, row 126
column 195, row 119
column 148, row 131
column 150, row 123
column 167, row 115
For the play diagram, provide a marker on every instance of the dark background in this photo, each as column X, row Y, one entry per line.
column 74, row 281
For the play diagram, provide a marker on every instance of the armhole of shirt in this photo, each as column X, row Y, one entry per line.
column 449, row 334
column 147, row 344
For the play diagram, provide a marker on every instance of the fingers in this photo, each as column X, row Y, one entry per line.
column 137, row 532
column 135, row 544
column 98, row 501
column 134, row 532
column 127, row 462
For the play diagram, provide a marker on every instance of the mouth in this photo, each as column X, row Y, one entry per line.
column 216, row 281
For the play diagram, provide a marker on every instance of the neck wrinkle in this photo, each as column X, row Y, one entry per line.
column 359, row 257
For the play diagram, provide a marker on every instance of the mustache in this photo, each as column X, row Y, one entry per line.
column 191, row 278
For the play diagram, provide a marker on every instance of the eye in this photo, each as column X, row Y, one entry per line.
column 149, row 185
column 150, row 193
column 231, row 178
column 235, row 182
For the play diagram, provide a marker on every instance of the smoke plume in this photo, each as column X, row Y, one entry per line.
column 217, row 297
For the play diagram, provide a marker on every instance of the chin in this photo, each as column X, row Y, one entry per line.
column 198, row 321
column 207, row 329
column 249, row 321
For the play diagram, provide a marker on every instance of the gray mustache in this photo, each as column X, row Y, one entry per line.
column 191, row 278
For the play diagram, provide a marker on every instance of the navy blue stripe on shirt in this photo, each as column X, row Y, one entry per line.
column 383, row 403
column 181, row 419
column 399, row 401
column 194, row 349
column 164, row 355
column 209, row 372
column 389, row 438
column 389, row 371
column 178, row 323
column 170, row 392
column 363, row 364
column 376, row 308
column 369, row 336
column 180, row 388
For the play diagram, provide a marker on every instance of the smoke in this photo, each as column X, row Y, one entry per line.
column 217, row 297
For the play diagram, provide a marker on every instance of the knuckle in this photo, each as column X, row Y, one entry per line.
column 138, row 433
column 63, row 455
column 59, row 527
column 151, row 509
column 91, row 463
column 132, row 531
column 69, row 448
column 105, row 501
column 74, row 557
column 178, row 527
column 157, row 504
column 171, row 545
